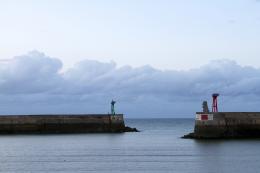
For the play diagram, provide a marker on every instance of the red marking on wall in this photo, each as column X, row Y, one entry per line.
column 204, row 117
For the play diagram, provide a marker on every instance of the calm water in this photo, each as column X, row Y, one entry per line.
column 158, row 148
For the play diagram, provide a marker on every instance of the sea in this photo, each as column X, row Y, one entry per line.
column 157, row 148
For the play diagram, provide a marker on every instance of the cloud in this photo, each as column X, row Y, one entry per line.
column 31, row 73
column 34, row 83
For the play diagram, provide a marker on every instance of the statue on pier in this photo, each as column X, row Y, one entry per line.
column 205, row 107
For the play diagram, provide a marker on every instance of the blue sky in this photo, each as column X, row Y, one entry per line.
column 166, row 34
column 157, row 58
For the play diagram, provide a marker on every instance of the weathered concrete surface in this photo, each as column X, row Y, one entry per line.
column 83, row 123
column 227, row 125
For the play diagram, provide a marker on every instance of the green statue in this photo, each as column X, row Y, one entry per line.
column 113, row 107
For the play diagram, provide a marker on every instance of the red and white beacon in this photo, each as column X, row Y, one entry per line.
column 215, row 102
column 206, row 115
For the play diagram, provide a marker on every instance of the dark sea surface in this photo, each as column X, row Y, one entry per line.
column 157, row 148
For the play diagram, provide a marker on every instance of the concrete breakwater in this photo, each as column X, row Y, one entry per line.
column 226, row 125
column 77, row 123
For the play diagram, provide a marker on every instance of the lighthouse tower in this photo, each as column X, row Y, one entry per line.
column 215, row 102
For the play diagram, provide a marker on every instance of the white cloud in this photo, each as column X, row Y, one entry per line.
column 34, row 83
column 31, row 73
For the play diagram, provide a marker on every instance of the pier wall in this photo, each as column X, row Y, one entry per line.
column 227, row 125
column 83, row 123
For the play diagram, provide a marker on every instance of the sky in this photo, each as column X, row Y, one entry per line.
column 156, row 58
